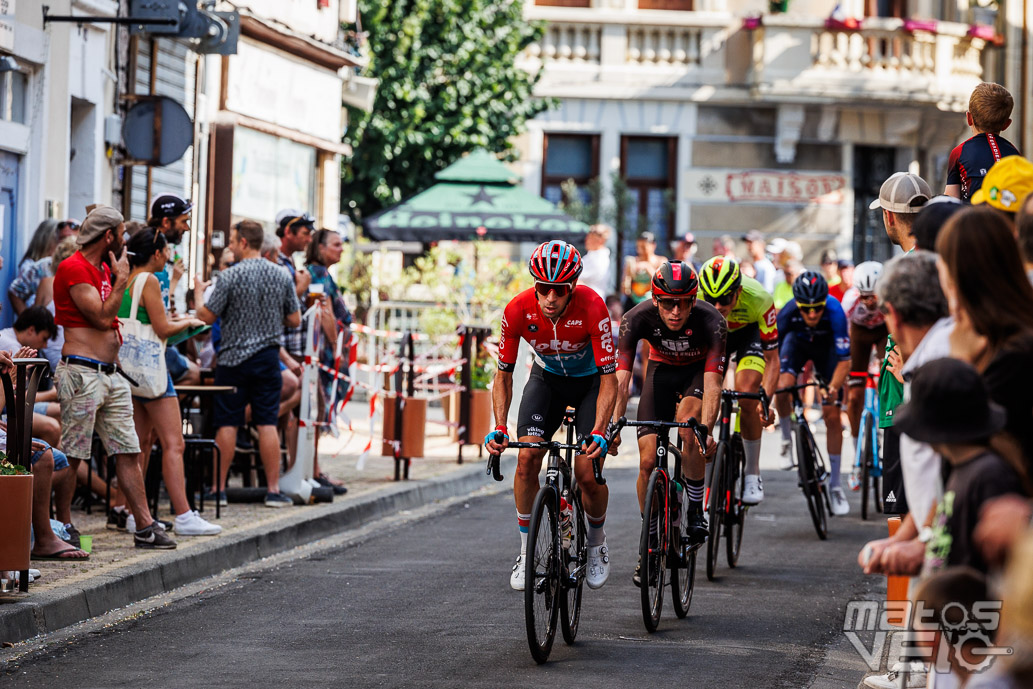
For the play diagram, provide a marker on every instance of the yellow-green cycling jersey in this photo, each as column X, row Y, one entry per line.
column 755, row 305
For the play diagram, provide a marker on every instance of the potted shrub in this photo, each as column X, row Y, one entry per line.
column 15, row 515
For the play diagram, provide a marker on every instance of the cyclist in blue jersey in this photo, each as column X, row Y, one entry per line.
column 813, row 327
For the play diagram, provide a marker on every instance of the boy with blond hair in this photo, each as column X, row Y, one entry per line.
column 989, row 114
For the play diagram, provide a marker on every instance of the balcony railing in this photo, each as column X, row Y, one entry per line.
column 632, row 53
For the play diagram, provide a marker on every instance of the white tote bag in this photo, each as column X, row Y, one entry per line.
column 142, row 355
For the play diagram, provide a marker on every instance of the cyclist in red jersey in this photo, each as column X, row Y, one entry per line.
column 568, row 327
column 687, row 358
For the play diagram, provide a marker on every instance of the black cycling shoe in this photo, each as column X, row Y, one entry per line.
column 696, row 530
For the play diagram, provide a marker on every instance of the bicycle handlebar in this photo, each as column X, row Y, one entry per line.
column 797, row 387
column 693, row 424
column 494, row 461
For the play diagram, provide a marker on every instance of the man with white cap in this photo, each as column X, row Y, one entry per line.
column 901, row 197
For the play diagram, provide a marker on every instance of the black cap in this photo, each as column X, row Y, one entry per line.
column 170, row 206
column 949, row 404
column 931, row 219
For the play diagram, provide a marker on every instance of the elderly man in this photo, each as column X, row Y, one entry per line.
column 93, row 393
column 901, row 197
column 916, row 315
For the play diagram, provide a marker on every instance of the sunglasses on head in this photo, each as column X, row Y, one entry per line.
column 723, row 300
column 668, row 304
column 812, row 308
column 561, row 289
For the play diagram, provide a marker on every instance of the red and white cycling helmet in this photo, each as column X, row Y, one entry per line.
column 555, row 262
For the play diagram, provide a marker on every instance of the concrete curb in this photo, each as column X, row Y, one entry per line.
column 53, row 610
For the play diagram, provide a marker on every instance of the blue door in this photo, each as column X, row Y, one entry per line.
column 9, row 241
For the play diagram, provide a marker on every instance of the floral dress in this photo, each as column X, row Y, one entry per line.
column 327, row 347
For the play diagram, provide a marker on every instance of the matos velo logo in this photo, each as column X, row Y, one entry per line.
column 956, row 632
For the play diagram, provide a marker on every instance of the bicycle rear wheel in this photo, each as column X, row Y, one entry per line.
column 735, row 515
column 653, row 545
column 865, row 438
column 812, row 487
column 575, row 560
column 716, row 507
column 542, row 585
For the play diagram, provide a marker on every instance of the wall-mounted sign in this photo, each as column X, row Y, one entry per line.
column 7, row 25
column 764, row 186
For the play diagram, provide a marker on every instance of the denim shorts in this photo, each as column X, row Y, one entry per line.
column 170, row 391
column 176, row 363
column 40, row 408
column 39, row 448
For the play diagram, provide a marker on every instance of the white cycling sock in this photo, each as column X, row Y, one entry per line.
column 752, row 448
column 834, row 464
column 596, row 533
column 783, row 423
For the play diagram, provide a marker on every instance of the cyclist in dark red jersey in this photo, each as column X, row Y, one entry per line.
column 568, row 327
column 686, row 359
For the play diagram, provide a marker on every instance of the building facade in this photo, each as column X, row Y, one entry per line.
column 720, row 117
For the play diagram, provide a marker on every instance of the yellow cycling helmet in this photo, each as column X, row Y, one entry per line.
column 718, row 277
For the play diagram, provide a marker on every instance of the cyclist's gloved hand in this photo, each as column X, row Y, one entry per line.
column 598, row 438
column 499, row 436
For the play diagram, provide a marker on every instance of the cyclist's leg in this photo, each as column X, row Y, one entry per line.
column 825, row 366
column 690, row 385
column 792, row 357
column 748, row 376
column 541, row 412
column 582, row 394
column 860, row 355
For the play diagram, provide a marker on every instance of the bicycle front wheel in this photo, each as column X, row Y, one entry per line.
column 542, row 582
column 682, row 581
column 810, row 482
column 575, row 560
column 716, row 507
column 735, row 515
column 653, row 545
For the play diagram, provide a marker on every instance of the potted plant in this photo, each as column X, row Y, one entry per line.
column 15, row 515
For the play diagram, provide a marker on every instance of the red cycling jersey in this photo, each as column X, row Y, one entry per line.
column 566, row 346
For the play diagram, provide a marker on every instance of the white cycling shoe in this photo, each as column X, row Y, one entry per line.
column 753, row 491
column 598, row 565
column 516, row 579
column 837, row 499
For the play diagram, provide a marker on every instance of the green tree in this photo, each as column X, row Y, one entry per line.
column 448, row 85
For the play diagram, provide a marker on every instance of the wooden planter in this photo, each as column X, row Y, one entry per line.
column 15, row 521
column 480, row 415
column 414, row 427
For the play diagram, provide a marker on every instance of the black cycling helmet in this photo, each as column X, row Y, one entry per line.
column 810, row 288
column 675, row 279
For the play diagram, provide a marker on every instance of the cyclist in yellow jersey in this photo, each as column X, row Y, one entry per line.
column 753, row 341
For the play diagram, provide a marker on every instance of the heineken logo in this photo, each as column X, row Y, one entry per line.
column 473, row 220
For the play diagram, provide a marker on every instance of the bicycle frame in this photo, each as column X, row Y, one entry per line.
column 871, row 410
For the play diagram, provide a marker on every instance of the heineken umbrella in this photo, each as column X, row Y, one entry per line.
column 474, row 198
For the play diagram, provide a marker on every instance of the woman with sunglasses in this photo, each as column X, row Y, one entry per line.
column 867, row 331
column 812, row 327
column 753, row 343
column 568, row 327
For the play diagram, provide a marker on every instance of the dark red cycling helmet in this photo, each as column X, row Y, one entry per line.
column 675, row 279
column 556, row 262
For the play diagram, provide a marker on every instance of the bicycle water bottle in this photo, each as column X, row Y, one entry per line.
column 566, row 522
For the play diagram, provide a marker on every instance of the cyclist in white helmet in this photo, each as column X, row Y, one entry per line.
column 867, row 331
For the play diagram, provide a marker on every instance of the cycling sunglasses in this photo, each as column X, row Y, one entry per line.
column 723, row 300
column 668, row 304
column 812, row 308
column 561, row 289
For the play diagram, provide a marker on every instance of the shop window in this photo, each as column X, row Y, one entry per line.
column 12, row 96
column 569, row 157
column 648, row 170
column 683, row 5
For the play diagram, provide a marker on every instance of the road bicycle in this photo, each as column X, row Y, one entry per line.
column 661, row 545
column 557, row 554
column 726, row 512
column 867, row 464
column 810, row 465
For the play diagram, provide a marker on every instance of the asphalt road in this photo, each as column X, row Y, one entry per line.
column 429, row 604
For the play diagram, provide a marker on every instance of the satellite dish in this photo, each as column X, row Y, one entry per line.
column 157, row 130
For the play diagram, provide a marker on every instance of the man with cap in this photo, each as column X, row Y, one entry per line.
column 764, row 267
column 901, row 197
column 1005, row 186
column 684, row 249
column 294, row 228
column 170, row 214
column 93, row 393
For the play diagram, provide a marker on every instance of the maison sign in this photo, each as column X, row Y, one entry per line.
column 765, row 186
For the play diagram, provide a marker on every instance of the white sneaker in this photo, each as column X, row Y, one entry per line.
column 837, row 498
column 598, row 565
column 192, row 524
column 131, row 524
column 915, row 680
column 753, row 491
column 516, row 579
column 787, row 455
